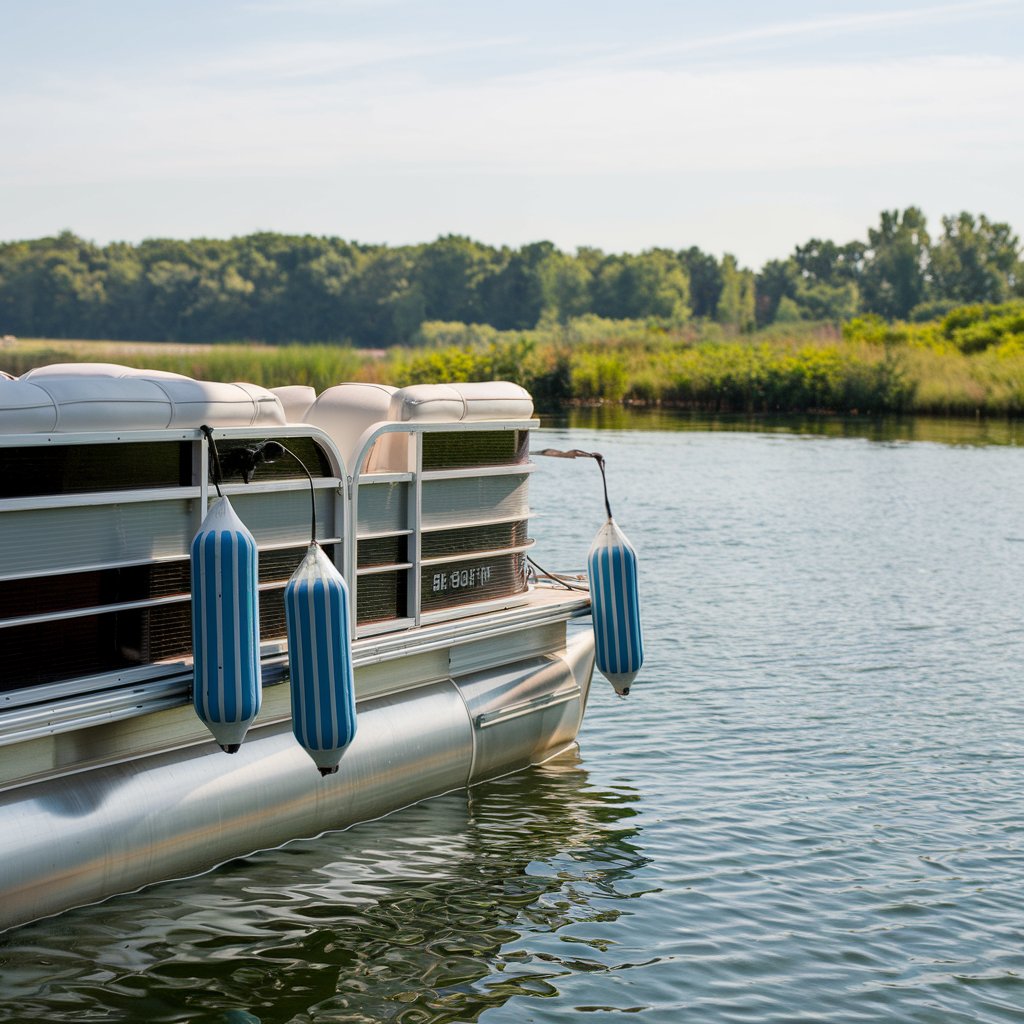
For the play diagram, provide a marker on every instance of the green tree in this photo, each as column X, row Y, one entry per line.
column 835, row 302
column 651, row 284
column 318, row 290
column 387, row 306
column 171, row 291
column 565, row 287
column 448, row 273
column 705, row 281
column 124, row 285
column 778, row 280
column 513, row 296
column 821, row 261
column 974, row 260
column 737, row 303
column 895, row 265
column 787, row 311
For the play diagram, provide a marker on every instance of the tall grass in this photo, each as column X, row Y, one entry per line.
column 317, row 365
column 969, row 362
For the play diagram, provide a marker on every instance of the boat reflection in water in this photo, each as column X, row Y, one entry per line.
column 437, row 913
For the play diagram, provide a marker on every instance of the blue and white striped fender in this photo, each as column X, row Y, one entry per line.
column 227, row 689
column 615, row 603
column 316, row 604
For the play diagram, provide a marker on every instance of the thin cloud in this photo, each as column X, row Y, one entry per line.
column 318, row 58
column 869, row 114
column 293, row 7
column 820, row 27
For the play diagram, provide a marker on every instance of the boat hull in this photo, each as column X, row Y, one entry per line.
column 114, row 828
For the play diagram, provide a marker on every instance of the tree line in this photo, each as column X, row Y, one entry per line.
column 284, row 288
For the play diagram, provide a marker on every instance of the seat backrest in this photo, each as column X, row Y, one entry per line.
column 346, row 411
column 83, row 402
column 448, row 403
column 98, row 370
column 296, row 399
column 467, row 401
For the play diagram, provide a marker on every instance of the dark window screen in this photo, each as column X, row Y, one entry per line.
column 83, row 468
column 49, row 652
column 381, row 596
column 462, row 541
column 475, row 448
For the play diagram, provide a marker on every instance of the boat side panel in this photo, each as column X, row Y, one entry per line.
column 81, row 838
column 71, row 842
column 52, row 540
column 524, row 713
column 124, row 722
column 480, row 655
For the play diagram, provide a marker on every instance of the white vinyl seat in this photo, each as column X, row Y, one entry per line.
column 42, row 402
column 105, row 396
column 346, row 411
column 296, row 400
column 448, row 403
column 460, row 403
column 98, row 370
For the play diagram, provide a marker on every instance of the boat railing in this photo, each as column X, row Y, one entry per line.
column 94, row 572
column 94, row 565
column 439, row 513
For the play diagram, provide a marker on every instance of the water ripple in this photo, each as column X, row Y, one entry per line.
column 808, row 811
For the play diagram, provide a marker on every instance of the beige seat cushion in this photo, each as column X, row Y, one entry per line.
column 346, row 411
column 448, row 403
column 296, row 399
column 458, row 403
column 72, row 402
column 97, row 370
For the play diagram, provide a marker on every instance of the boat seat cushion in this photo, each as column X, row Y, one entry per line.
column 25, row 409
column 346, row 411
column 60, row 404
column 461, row 403
column 447, row 403
column 97, row 370
column 225, row 405
column 296, row 399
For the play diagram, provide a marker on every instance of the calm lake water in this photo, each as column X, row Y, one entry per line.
column 811, row 808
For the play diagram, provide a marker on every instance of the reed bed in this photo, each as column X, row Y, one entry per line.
column 967, row 363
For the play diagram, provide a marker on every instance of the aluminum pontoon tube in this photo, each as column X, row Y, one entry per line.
column 72, row 841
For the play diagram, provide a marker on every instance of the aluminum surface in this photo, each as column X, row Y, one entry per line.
column 93, row 834
column 105, row 785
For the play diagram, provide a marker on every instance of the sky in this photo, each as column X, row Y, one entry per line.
column 737, row 126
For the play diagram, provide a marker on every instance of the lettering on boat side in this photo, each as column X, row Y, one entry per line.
column 461, row 579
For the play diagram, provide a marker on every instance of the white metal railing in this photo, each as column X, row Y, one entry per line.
column 341, row 530
column 179, row 508
column 135, row 690
column 414, row 479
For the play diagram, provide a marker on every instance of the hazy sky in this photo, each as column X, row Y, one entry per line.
column 736, row 126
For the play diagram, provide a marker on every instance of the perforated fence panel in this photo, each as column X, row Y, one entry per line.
column 47, row 652
column 449, row 585
column 381, row 596
column 476, row 448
